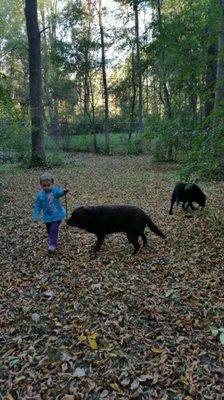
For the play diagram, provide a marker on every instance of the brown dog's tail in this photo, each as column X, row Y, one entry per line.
column 154, row 228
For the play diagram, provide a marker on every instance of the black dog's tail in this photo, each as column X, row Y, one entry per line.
column 154, row 228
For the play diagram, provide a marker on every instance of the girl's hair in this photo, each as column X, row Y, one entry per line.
column 46, row 176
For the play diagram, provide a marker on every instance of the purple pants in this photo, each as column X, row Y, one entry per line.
column 52, row 230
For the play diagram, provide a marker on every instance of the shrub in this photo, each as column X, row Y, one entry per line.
column 53, row 152
column 165, row 137
column 15, row 141
column 205, row 159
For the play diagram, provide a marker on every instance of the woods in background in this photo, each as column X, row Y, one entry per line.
column 151, row 71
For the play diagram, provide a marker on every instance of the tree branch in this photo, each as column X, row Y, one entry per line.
column 47, row 27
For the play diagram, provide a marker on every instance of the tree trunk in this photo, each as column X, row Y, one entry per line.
column 133, row 96
column 87, row 39
column 210, row 79
column 219, row 93
column 103, row 64
column 36, row 108
column 86, row 99
column 192, row 98
column 164, row 89
column 54, row 102
column 92, row 103
column 138, row 65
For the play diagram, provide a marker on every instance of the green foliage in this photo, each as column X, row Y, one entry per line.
column 15, row 141
column 205, row 158
column 14, row 135
column 119, row 143
column 165, row 138
column 178, row 81
column 53, row 153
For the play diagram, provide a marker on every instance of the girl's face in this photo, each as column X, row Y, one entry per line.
column 46, row 186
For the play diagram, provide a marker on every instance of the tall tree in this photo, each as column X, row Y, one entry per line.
column 211, row 62
column 103, row 65
column 219, row 93
column 164, row 89
column 36, row 109
column 138, row 63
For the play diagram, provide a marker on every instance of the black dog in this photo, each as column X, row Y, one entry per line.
column 102, row 220
column 187, row 193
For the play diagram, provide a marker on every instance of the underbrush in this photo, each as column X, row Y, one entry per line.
column 119, row 143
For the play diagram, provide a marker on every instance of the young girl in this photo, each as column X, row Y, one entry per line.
column 48, row 201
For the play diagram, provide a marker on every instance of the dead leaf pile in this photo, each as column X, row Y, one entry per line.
column 118, row 326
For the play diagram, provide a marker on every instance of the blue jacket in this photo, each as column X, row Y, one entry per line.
column 49, row 203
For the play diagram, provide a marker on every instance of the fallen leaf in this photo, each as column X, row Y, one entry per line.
column 82, row 338
column 79, row 372
column 157, row 350
column 9, row 397
column 125, row 382
column 135, row 384
column 221, row 338
column 49, row 294
column 104, row 394
column 35, row 317
column 92, row 341
column 116, row 387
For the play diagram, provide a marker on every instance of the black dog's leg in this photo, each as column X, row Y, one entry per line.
column 144, row 238
column 191, row 205
column 173, row 199
column 99, row 243
column 133, row 239
column 184, row 206
column 171, row 207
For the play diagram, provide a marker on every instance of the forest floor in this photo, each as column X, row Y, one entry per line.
column 118, row 326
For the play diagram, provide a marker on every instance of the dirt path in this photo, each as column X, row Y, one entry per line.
column 149, row 316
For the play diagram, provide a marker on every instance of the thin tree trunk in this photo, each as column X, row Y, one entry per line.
column 87, row 36
column 93, row 115
column 219, row 93
column 164, row 88
column 138, row 65
column 192, row 98
column 36, row 108
column 55, row 128
column 86, row 99
column 147, row 92
column 210, row 79
column 103, row 64
column 133, row 96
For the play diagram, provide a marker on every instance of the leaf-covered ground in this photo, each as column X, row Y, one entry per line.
column 118, row 326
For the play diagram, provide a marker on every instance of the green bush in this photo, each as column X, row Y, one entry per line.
column 119, row 143
column 205, row 158
column 164, row 138
column 53, row 152
column 54, row 159
column 15, row 141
